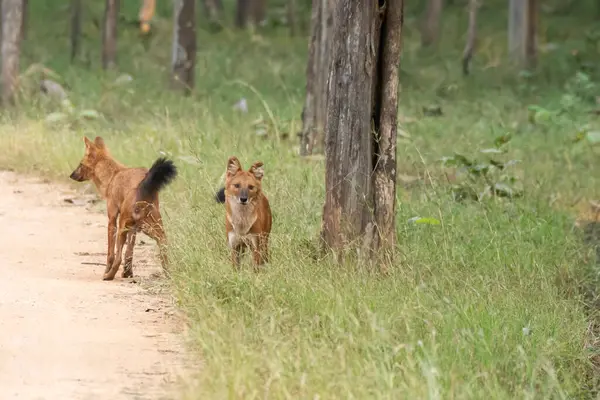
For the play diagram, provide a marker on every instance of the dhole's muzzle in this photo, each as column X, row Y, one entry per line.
column 79, row 174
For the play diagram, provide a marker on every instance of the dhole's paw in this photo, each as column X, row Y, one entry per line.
column 107, row 277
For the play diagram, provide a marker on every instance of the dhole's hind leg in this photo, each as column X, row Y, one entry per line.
column 152, row 226
column 128, row 266
column 121, row 239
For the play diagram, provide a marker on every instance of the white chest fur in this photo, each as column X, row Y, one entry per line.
column 242, row 218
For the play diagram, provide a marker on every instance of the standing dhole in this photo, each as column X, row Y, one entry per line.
column 131, row 196
column 248, row 215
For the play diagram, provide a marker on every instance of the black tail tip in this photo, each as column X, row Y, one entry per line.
column 220, row 195
column 165, row 168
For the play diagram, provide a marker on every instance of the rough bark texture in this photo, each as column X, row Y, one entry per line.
column 317, row 71
column 109, row 34
column 184, row 45
column 431, row 23
column 522, row 32
column 12, row 17
column 75, row 28
column 359, row 211
column 471, row 36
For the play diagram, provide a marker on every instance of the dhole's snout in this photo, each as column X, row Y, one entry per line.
column 244, row 196
column 76, row 175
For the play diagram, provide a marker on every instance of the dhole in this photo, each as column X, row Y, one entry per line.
column 248, row 215
column 131, row 196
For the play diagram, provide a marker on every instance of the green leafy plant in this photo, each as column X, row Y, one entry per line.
column 484, row 178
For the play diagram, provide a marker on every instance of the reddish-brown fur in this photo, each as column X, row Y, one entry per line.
column 248, row 215
column 119, row 184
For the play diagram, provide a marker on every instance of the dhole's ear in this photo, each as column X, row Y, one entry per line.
column 257, row 170
column 88, row 142
column 99, row 142
column 233, row 166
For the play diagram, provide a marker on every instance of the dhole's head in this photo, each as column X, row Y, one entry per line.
column 93, row 150
column 243, row 187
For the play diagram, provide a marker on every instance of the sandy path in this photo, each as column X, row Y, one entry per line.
column 64, row 333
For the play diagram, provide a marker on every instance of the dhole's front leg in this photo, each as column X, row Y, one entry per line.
column 236, row 253
column 112, row 233
column 258, row 251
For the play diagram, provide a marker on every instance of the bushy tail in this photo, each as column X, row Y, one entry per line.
column 220, row 195
column 161, row 173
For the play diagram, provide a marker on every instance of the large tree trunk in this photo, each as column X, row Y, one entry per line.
column 184, row 45
column 362, row 110
column 522, row 32
column 317, row 72
column 109, row 34
column 12, row 18
column 431, row 23
column 75, row 28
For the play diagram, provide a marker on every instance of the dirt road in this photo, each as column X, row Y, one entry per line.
column 64, row 333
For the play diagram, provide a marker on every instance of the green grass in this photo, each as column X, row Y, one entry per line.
column 488, row 304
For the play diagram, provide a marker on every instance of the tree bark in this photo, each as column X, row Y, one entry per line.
column 24, row 18
column 12, row 18
column 109, row 34
column 317, row 72
column 361, row 128
column 75, row 28
column 431, row 24
column 259, row 11
column 242, row 13
column 471, row 36
column 522, row 32
column 184, row 45
column 291, row 17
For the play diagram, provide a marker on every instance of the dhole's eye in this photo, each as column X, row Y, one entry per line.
column 237, row 185
column 250, row 187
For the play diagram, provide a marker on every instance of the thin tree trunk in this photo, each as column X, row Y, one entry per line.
column 259, row 11
column 522, row 32
column 184, row 45
column 109, row 34
column 471, row 36
column 431, row 24
column 360, row 181
column 12, row 18
column 75, row 28
column 317, row 72
column 242, row 12
column 212, row 8
column 385, row 119
column 291, row 17
column 25, row 18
